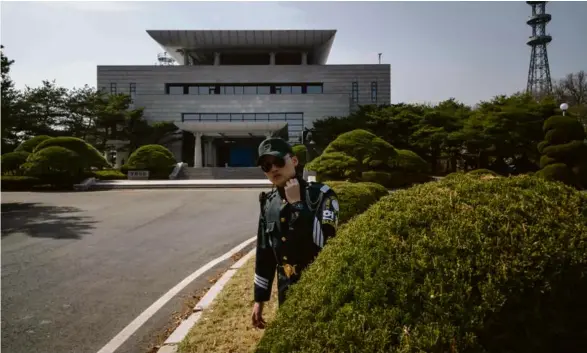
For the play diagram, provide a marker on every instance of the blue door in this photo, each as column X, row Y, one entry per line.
column 241, row 156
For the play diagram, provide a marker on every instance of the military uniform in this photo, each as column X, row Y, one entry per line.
column 289, row 237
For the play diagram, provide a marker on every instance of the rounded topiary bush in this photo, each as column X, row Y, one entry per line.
column 30, row 144
column 481, row 172
column 355, row 198
column 300, row 151
column 157, row 159
column 12, row 161
column 334, row 166
column 55, row 165
column 410, row 162
column 461, row 265
column 564, row 151
column 89, row 155
column 381, row 178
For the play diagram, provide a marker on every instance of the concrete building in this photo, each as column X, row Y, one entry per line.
column 228, row 90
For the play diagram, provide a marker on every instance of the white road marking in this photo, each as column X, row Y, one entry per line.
column 131, row 328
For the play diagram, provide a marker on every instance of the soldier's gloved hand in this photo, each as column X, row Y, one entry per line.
column 292, row 191
column 257, row 316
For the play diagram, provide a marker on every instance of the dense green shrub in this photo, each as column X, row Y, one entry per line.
column 300, row 151
column 395, row 179
column 157, row 159
column 334, row 166
column 89, row 155
column 30, row 144
column 355, row 198
column 109, row 174
column 461, row 265
column 351, row 154
column 12, row 161
column 480, row 172
column 55, row 165
column 564, row 151
column 410, row 162
column 19, row 183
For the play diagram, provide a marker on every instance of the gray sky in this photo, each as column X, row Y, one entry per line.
column 437, row 50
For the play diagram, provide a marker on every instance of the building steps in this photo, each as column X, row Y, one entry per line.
column 221, row 173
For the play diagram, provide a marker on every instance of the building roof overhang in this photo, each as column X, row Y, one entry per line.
column 316, row 42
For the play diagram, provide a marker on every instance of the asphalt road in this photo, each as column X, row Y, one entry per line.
column 78, row 267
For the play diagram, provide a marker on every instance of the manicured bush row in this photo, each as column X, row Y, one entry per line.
column 466, row 264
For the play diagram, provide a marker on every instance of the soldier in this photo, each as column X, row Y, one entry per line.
column 297, row 219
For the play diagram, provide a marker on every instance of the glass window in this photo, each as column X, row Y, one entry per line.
column 355, row 92
column 212, row 89
column 250, row 89
column 277, row 116
column 296, row 89
column 203, row 90
column 208, row 117
column 295, row 116
column 191, row 117
column 113, row 88
column 248, row 117
column 175, row 90
column 236, row 117
column 262, row 117
column 193, row 89
column 374, row 92
column 224, row 117
column 228, row 89
column 283, row 90
column 264, row 90
column 314, row 89
column 239, row 90
column 132, row 88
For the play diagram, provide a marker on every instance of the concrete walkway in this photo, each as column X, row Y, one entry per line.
column 173, row 184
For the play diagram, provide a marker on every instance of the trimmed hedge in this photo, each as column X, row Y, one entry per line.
column 56, row 165
column 157, row 159
column 12, row 161
column 355, row 198
column 109, row 174
column 395, row 179
column 564, row 152
column 300, row 151
column 460, row 265
column 19, row 183
column 90, row 156
column 480, row 172
column 30, row 144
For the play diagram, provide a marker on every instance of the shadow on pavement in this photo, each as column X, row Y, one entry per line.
column 44, row 221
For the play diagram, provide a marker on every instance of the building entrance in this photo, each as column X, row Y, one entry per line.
column 237, row 152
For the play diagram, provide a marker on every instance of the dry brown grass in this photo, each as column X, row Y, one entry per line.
column 226, row 326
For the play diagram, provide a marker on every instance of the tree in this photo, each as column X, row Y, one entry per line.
column 573, row 90
column 10, row 100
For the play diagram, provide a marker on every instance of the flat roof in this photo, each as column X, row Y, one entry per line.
column 318, row 42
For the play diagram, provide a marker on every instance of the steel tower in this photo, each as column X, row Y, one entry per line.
column 539, row 82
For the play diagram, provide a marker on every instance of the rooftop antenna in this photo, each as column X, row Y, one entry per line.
column 164, row 60
column 379, row 58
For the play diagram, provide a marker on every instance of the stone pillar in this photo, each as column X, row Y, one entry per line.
column 213, row 154
column 186, row 57
column 208, row 162
column 216, row 59
column 304, row 58
column 120, row 156
column 271, row 58
column 198, row 150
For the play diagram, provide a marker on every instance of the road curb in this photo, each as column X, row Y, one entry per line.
column 179, row 334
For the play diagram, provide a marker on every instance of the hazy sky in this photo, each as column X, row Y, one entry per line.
column 437, row 50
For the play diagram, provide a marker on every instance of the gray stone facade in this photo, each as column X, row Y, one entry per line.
column 150, row 83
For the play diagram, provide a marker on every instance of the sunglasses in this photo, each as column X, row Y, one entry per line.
column 268, row 163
